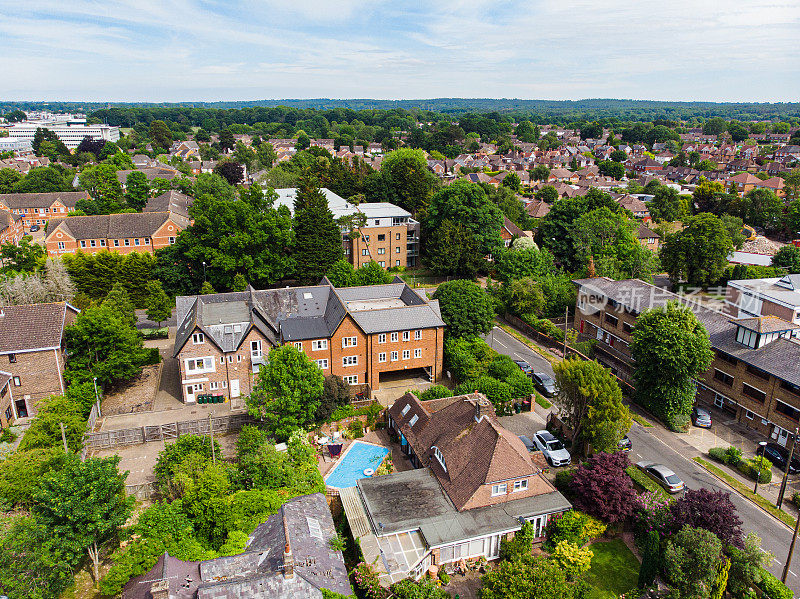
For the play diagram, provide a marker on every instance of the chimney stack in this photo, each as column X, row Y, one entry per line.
column 160, row 589
column 482, row 408
column 288, row 558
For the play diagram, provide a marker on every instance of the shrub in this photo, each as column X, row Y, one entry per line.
column 573, row 560
column 367, row 581
column 575, row 527
column 161, row 333
column 602, row 489
column 796, row 499
column 444, row 577
column 6, row 436
column 772, row 587
column 355, row 429
column 718, row 453
column 435, row 392
column 733, row 456
column 151, row 356
column 564, row 480
column 753, row 466
column 544, row 326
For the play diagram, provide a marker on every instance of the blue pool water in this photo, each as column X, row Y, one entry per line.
column 350, row 468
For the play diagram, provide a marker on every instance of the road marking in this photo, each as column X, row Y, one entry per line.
column 792, row 573
column 501, row 344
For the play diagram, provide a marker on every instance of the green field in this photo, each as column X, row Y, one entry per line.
column 614, row 570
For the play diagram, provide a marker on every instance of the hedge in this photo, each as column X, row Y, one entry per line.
column 772, row 587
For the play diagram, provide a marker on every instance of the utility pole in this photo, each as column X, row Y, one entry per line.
column 791, row 550
column 786, row 473
column 211, row 432
column 566, row 328
column 63, row 437
column 96, row 397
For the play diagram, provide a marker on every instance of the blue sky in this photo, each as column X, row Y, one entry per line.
column 173, row 50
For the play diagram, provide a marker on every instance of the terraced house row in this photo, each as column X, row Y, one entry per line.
column 363, row 334
column 755, row 374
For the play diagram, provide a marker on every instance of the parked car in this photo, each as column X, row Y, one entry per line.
column 526, row 368
column 701, row 417
column 553, row 450
column 662, row 475
column 545, row 384
column 625, row 444
column 34, row 228
column 530, row 446
column 779, row 456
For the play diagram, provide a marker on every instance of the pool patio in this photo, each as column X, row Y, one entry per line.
column 379, row 437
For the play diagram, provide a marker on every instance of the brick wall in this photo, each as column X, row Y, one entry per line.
column 394, row 240
column 483, row 496
column 39, row 375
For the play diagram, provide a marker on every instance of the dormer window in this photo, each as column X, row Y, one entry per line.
column 439, row 456
column 406, row 409
column 520, row 485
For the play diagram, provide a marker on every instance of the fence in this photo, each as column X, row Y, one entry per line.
column 163, row 432
column 141, row 491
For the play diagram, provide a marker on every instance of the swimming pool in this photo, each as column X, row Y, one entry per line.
column 358, row 457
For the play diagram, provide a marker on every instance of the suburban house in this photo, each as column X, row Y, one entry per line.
column 11, row 227
column 170, row 201
column 647, row 237
column 363, row 334
column 124, row 233
column 38, row 208
column 509, row 232
column 287, row 557
column 764, row 297
column 31, row 356
column 379, row 231
column 755, row 374
column 475, row 483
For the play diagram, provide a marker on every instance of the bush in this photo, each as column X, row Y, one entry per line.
column 151, row 356
column 602, row 489
column 718, row 453
column 6, row 436
column 435, row 392
column 544, row 326
column 355, row 429
column 574, row 527
column 752, row 467
column 564, row 479
column 772, row 587
column 731, row 456
column 586, row 347
column 162, row 333
column 796, row 499
column 573, row 560
column 444, row 577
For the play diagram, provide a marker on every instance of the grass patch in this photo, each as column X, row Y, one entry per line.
column 641, row 480
column 614, row 570
column 520, row 337
column 541, row 400
column 747, row 492
column 641, row 421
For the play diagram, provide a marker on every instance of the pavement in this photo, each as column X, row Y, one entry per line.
column 506, row 344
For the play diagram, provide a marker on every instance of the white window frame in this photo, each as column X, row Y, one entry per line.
column 349, row 342
column 499, row 490
column 413, row 420
column 520, row 485
column 213, row 386
column 394, row 337
column 350, row 379
column 417, row 334
column 406, row 354
column 322, row 363
column 319, row 344
column 349, row 361
column 382, row 338
column 405, row 410
column 406, row 335
column 200, row 365
column 298, row 345
column 395, row 356
column 439, row 457
column 255, row 349
column 417, row 353
column 198, row 338
column 382, row 356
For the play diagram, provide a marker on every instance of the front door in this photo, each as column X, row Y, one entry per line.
column 783, row 436
column 192, row 391
column 22, row 408
column 539, row 523
column 235, row 388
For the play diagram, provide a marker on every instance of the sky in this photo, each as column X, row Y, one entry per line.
column 193, row 50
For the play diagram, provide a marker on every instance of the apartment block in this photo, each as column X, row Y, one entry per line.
column 39, row 208
column 363, row 334
column 31, row 356
column 764, row 297
column 755, row 374
column 11, row 227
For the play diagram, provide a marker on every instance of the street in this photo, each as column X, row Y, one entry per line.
column 775, row 536
column 503, row 343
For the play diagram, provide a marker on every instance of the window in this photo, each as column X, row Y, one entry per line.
column 397, row 250
column 405, row 410
column 349, row 360
column 351, row 379
column 394, row 356
column 213, row 386
column 255, row 349
column 102, row 243
column 417, row 353
column 381, row 251
column 394, row 337
column 366, row 238
column 222, row 359
column 382, row 237
column 753, row 393
column 136, row 241
column 627, row 327
column 382, row 338
column 397, row 237
column 319, row 344
column 439, row 456
column 787, row 410
column 611, row 319
column 17, row 382
column 198, row 338
column 758, row 372
column 406, row 335
column 116, row 243
column 397, row 262
column 382, row 263
column 723, row 377
column 323, row 364
column 406, row 354
column 748, row 414
column 382, row 357
column 349, row 341
column 238, row 358
column 413, row 420
column 792, row 388
column 147, row 241
column 418, row 334
column 364, row 252
column 92, row 243
column 298, row 345
column 83, row 243
column 12, row 358
column 171, row 240
column 726, row 358
column 500, row 489
column 61, row 245
column 199, row 365
column 520, row 485
column 9, row 413
column 127, row 242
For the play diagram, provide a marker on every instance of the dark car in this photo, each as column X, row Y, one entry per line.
column 526, row 368
column 34, row 228
column 701, row 417
column 544, row 383
column 779, row 456
column 625, row 444
column 529, row 445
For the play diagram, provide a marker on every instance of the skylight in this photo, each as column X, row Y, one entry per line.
column 308, row 295
column 406, row 409
column 413, row 420
column 314, row 529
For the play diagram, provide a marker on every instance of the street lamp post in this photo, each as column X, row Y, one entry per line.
column 763, row 444
column 96, row 398
column 786, row 473
column 204, row 271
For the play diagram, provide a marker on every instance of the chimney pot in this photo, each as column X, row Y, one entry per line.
column 160, row 589
column 482, row 408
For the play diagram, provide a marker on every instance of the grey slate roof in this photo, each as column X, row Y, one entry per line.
column 170, row 201
column 41, row 200
column 32, row 326
column 397, row 319
column 111, row 226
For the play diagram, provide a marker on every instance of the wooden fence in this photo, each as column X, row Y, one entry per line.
column 163, row 432
column 141, row 491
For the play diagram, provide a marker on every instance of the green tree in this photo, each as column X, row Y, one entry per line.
column 160, row 136
column 8, row 179
column 536, row 577
column 515, row 263
column 425, row 588
column 104, row 346
column 137, row 190
column 103, row 185
column 45, row 429
column 452, row 249
column 540, row 172
column 667, row 205
column 788, row 257
column 45, row 179
column 206, row 288
column 466, row 308
column 612, row 169
column 24, row 256
column 226, row 140
column 698, row 253
column 317, row 238
column 239, row 282
column 603, row 232
column 525, row 296
column 651, row 559
column 574, row 560
column 670, row 348
column 303, row 141
column 120, row 303
column 404, row 180
column 792, row 186
column 159, row 306
column 691, row 561
column 21, row 472
column 527, row 132
column 547, row 194
column 287, row 391
column 512, row 181
column 762, row 208
column 83, row 505
column 746, row 565
column 266, row 155
column 467, row 203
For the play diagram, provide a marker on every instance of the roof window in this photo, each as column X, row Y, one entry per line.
column 406, row 409
column 413, row 420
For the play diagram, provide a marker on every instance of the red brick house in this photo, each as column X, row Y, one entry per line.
column 12, row 228
column 39, row 208
column 31, row 356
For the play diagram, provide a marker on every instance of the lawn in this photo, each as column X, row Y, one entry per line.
column 614, row 570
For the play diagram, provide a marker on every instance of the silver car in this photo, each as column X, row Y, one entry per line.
column 662, row 475
column 553, row 450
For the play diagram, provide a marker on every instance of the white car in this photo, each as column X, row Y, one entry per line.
column 552, row 449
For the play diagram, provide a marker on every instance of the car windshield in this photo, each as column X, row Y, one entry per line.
column 673, row 480
column 555, row 445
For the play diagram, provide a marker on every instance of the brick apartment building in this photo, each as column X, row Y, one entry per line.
column 778, row 296
column 388, row 235
column 755, row 374
column 123, row 233
column 474, row 484
column 359, row 333
column 12, row 228
column 31, row 356
column 39, row 208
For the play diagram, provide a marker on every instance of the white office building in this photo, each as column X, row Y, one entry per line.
column 70, row 129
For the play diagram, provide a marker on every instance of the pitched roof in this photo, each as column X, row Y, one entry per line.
column 512, row 229
column 31, row 326
column 110, row 226
column 645, row 232
column 42, row 200
column 766, row 324
column 170, row 201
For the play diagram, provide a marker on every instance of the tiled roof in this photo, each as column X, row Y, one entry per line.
column 31, row 326
column 170, row 201
column 766, row 324
column 41, row 200
column 645, row 232
column 110, row 226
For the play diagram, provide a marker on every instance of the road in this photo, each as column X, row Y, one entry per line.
column 775, row 536
column 507, row 344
